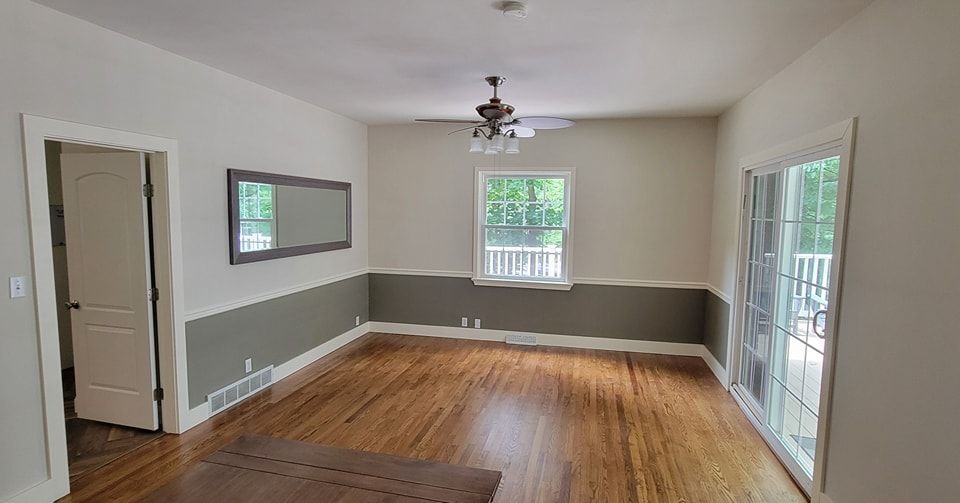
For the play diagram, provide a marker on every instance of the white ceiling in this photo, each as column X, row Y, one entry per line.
column 388, row 61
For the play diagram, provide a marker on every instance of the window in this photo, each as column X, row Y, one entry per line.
column 523, row 228
column 257, row 224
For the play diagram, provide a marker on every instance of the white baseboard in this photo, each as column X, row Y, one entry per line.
column 298, row 362
column 718, row 370
column 567, row 341
column 48, row 490
column 195, row 416
column 201, row 413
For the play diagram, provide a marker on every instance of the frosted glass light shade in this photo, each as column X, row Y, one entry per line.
column 512, row 145
column 496, row 143
column 476, row 144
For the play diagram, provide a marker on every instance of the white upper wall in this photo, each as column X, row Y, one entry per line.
column 643, row 196
column 58, row 66
column 896, row 66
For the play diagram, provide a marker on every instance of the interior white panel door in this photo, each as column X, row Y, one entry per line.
column 109, row 277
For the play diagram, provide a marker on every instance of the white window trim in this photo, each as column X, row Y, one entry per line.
column 273, row 219
column 479, row 212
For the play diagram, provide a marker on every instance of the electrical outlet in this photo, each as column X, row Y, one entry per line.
column 248, row 364
column 18, row 287
column 476, row 323
column 356, row 321
column 464, row 322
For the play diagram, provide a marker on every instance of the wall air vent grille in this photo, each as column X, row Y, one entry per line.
column 526, row 340
column 232, row 394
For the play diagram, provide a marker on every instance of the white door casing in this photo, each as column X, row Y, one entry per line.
column 109, row 278
column 839, row 137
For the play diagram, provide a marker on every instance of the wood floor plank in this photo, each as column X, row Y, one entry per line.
column 561, row 424
column 208, row 482
column 350, row 479
column 458, row 478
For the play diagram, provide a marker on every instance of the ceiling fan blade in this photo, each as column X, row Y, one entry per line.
column 450, row 121
column 522, row 132
column 461, row 129
column 544, row 122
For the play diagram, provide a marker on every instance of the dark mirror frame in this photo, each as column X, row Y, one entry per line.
column 235, row 176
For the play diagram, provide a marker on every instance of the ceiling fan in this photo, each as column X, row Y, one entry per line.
column 500, row 131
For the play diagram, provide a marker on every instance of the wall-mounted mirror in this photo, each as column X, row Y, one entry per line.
column 273, row 216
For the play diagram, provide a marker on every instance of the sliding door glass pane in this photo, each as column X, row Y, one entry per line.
column 761, row 279
column 805, row 223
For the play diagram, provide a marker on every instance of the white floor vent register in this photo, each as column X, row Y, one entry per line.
column 526, row 339
column 229, row 395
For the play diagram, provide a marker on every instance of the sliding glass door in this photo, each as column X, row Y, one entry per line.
column 791, row 211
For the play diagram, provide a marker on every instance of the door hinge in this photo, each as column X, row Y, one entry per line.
column 153, row 294
column 158, row 394
column 148, row 190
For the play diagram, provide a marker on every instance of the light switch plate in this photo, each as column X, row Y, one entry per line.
column 18, row 286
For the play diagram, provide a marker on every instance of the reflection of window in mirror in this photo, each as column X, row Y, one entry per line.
column 274, row 216
column 257, row 223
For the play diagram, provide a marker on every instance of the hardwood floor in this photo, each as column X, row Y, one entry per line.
column 255, row 468
column 561, row 424
column 91, row 444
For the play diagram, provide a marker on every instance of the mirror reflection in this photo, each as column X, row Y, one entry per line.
column 276, row 216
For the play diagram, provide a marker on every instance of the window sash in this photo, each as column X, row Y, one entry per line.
column 536, row 260
column 527, row 259
column 524, row 227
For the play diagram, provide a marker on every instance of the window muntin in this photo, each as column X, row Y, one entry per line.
column 257, row 222
column 524, row 226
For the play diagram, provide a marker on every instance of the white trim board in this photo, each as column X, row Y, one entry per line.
column 715, row 367
column 719, row 293
column 171, row 336
column 566, row 341
column 687, row 285
column 822, row 498
column 691, row 285
column 420, row 272
column 255, row 299
column 839, row 137
column 211, row 310
column 201, row 412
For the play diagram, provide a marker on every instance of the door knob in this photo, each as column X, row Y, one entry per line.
column 72, row 305
column 820, row 334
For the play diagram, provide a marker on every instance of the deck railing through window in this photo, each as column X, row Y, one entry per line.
column 255, row 242
column 510, row 261
column 810, row 292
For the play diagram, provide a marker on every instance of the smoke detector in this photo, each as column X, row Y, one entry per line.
column 514, row 9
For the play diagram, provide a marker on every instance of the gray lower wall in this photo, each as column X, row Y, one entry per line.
column 716, row 320
column 619, row 312
column 276, row 330
column 270, row 332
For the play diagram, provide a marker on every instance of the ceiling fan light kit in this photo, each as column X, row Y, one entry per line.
column 499, row 131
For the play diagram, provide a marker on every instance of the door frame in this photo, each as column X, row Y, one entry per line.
column 168, row 260
column 837, row 136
